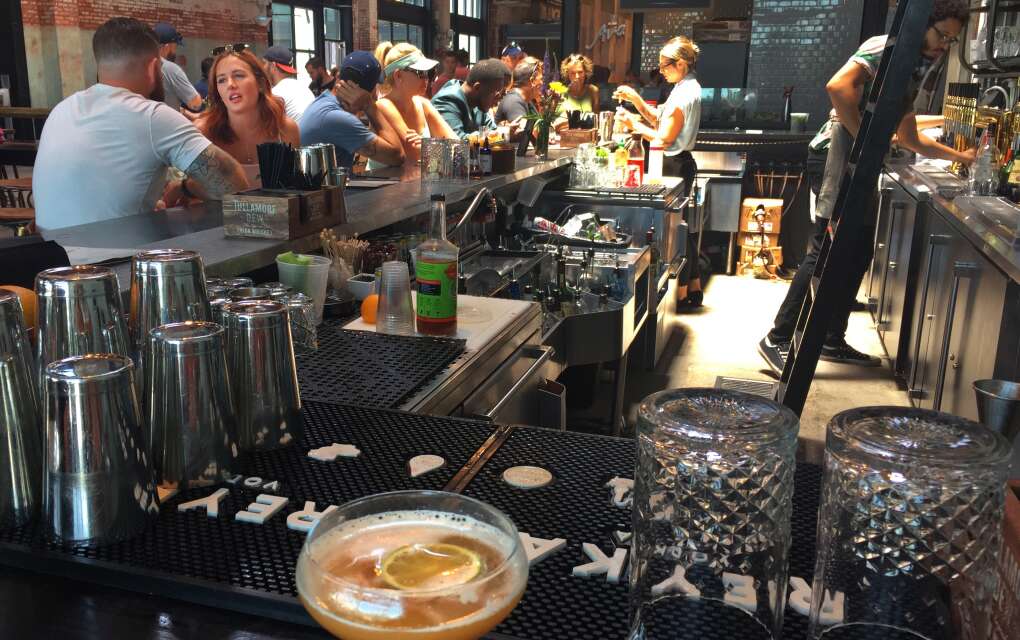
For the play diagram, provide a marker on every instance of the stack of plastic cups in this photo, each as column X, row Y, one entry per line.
column 309, row 279
column 396, row 313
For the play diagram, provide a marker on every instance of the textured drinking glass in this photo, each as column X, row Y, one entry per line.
column 301, row 311
column 712, row 502
column 396, row 311
column 909, row 526
column 435, row 160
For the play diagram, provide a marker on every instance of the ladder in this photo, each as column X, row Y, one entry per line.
column 850, row 216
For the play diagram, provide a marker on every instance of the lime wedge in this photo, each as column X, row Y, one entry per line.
column 426, row 567
column 294, row 258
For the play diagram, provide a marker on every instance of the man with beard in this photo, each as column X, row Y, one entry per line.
column 179, row 90
column 322, row 80
column 104, row 151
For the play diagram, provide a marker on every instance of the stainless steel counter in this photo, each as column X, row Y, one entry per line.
column 199, row 227
column 972, row 226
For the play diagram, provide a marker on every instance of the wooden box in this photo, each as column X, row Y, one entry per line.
column 1006, row 598
column 747, row 254
column 755, row 239
column 575, row 137
column 282, row 215
column 773, row 208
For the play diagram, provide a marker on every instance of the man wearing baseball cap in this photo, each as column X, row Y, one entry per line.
column 179, row 90
column 511, row 56
column 332, row 118
column 281, row 72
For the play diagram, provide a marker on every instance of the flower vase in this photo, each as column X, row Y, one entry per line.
column 542, row 140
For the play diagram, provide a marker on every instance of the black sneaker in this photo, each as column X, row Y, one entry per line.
column 774, row 354
column 845, row 354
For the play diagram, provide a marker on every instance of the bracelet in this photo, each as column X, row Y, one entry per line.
column 184, row 188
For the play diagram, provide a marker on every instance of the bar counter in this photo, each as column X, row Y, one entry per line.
column 200, row 227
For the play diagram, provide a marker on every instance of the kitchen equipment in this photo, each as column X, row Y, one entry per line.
column 167, row 285
column 910, row 524
column 997, row 404
column 192, row 432
column 362, row 285
column 216, row 307
column 237, row 283
column 79, row 312
column 14, row 336
column 328, row 154
column 260, row 357
column 713, row 498
column 301, row 311
column 250, row 293
column 605, row 126
column 312, row 166
column 97, row 480
column 20, row 443
column 396, row 312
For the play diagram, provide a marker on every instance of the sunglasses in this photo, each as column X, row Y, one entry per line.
column 231, row 48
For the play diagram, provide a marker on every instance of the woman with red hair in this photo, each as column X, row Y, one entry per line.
column 243, row 112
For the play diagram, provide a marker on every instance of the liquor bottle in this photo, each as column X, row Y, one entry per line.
column 656, row 155
column 485, row 158
column 436, row 273
column 635, row 162
column 984, row 173
column 620, row 157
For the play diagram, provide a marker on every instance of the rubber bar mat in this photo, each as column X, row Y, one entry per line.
column 371, row 369
column 577, row 506
column 249, row 567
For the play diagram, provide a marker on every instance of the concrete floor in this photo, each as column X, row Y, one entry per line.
column 722, row 339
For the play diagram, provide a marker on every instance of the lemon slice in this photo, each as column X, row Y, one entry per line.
column 426, row 567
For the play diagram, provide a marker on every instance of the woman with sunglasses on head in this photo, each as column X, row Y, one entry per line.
column 243, row 113
column 405, row 106
column 576, row 70
column 676, row 124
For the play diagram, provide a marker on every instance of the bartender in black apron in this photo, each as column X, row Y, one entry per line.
column 675, row 123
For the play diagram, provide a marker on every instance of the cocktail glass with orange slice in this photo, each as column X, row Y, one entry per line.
column 421, row 565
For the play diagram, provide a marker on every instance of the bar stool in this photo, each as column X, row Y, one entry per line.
column 20, row 219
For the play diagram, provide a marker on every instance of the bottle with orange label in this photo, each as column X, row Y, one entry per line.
column 436, row 273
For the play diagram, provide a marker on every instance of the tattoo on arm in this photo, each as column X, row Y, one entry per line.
column 217, row 173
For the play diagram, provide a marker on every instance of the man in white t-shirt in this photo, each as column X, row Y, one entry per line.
column 177, row 88
column 283, row 76
column 104, row 151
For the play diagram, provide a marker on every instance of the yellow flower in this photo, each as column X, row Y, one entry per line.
column 558, row 87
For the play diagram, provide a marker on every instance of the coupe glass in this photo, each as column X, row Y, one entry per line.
column 427, row 565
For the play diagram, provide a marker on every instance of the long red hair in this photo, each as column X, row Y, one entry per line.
column 215, row 122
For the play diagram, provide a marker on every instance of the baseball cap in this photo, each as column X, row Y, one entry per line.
column 166, row 33
column 511, row 50
column 282, row 57
column 361, row 68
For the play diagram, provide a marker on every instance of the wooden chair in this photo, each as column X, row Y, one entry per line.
column 21, row 219
column 16, row 192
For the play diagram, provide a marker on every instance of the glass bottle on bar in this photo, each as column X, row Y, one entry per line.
column 635, row 162
column 436, row 273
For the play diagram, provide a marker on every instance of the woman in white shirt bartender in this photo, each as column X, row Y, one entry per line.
column 676, row 124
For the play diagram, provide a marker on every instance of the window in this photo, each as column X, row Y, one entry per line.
column 467, row 8
column 294, row 28
column 323, row 28
column 401, row 32
column 414, row 3
column 466, row 18
column 471, row 44
column 334, row 46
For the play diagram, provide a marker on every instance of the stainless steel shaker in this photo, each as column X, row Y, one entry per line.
column 97, row 476
column 20, row 439
column 79, row 312
column 192, row 432
column 167, row 285
column 260, row 356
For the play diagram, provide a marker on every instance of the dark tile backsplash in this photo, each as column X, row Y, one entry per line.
column 800, row 43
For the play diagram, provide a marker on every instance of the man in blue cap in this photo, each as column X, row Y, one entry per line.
column 179, row 90
column 332, row 118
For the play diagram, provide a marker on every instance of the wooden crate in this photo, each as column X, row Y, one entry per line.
column 1006, row 601
column 748, row 252
column 774, row 207
column 282, row 215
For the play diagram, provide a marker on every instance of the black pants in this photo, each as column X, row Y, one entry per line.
column 786, row 320
column 684, row 166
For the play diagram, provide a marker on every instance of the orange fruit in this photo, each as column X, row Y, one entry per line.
column 369, row 306
column 27, row 297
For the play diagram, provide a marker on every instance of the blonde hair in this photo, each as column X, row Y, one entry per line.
column 393, row 53
column 681, row 48
column 577, row 58
column 381, row 50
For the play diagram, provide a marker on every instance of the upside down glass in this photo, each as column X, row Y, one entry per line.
column 909, row 526
column 422, row 565
column 712, row 502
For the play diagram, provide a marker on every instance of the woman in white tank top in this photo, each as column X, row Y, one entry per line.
column 405, row 105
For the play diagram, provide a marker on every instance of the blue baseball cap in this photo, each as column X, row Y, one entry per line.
column 361, row 68
column 167, row 33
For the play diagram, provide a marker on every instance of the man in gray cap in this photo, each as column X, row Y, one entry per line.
column 179, row 90
column 283, row 76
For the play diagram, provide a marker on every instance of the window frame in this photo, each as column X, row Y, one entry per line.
column 409, row 14
column 318, row 10
column 469, row 26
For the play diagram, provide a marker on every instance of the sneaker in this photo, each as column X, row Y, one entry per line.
column 845, row 354
column 774, row 354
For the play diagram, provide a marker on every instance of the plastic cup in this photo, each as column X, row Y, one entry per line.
column 395, row 314
column 309, row 279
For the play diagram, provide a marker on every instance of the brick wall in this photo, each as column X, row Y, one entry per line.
column 366, row 24
column 801, row 43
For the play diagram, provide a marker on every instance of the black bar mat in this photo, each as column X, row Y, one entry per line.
column 577, row 506
column 371, row 369
column 247, row 567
